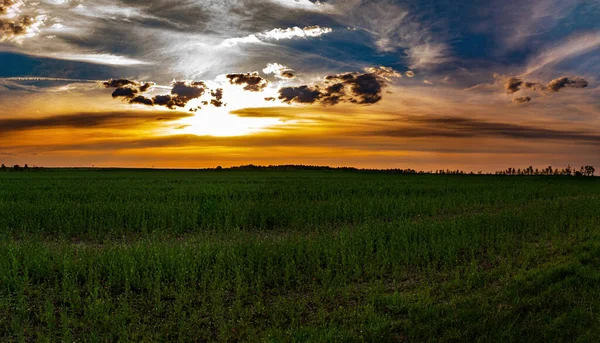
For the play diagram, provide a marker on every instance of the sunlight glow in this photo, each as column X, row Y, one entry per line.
column 218, row 122
column 222, row 124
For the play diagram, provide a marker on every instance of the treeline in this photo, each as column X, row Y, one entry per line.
column 18, row 168
column 568, row 171
column 251, row 167
column 586, row 170
column 287, row 167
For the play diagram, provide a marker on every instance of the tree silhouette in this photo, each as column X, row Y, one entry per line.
column 3, row 167
column 588, row 170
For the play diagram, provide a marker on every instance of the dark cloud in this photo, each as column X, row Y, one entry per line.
column 522, row 99
column 366, row 88
column 357, row 88
column 252, row 81
column 185, row 91
column 5, row 5
column 125, row 92
column 182, row 92
column 216, row 103
column 129, row 89
column 301, row 94
column 512, row 85
column 566, row 82
column 9, row 29
column 288, row 74
column 125, row 119
column 146, row 86
column 217, row 94
column 161, row 100
column 140, row 99
column 280, row 71
column 115, row 83
column 270, row 98
column 534, row 85
column 458, row 127
column 169, row 101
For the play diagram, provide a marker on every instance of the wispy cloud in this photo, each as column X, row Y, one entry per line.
column 278, row 34
column 395, row 27
column 280, row 71
column 108, row 59
column 124, row 119
column 570, row 47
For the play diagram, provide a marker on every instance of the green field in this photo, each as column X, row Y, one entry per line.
column 309, row 256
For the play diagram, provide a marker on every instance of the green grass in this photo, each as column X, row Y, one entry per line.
column 307, row 256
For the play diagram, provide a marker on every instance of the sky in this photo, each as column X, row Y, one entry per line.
column 423, row 84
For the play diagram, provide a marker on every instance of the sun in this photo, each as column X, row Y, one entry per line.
column 209, row 120
column 220, row 123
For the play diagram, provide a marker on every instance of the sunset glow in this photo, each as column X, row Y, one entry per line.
column 377, row 84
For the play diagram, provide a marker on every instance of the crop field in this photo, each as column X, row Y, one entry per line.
column 307, row 256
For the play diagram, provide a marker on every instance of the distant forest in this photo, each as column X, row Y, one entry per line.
column 586, row 170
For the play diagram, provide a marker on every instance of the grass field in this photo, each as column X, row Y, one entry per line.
column 310, row 256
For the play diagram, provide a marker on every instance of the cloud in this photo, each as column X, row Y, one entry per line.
column 428, row 54
column 562, row 82
column 186, row 91
column 182, row 92
column 15, row 27
column 229, row 42
column 217, row 94
column 116, row 83
column 414, row 133
column 522, row 99
column 9, row 5
column 128, row 89
column 396, row 26
column 278, row 34
column 460, row 127
column 17, row 30
column 383, row 72
column 534, row 85
column 140, row 99
column 124, row 119
column 301, row 94
column 568, row 48
column 357, row 88
column 295, row 32
column 126, row 92
column 280, row 71
column 108, row 59
column 310, row 5
column 513, row 84
column 112, row 12
column 252, row 81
